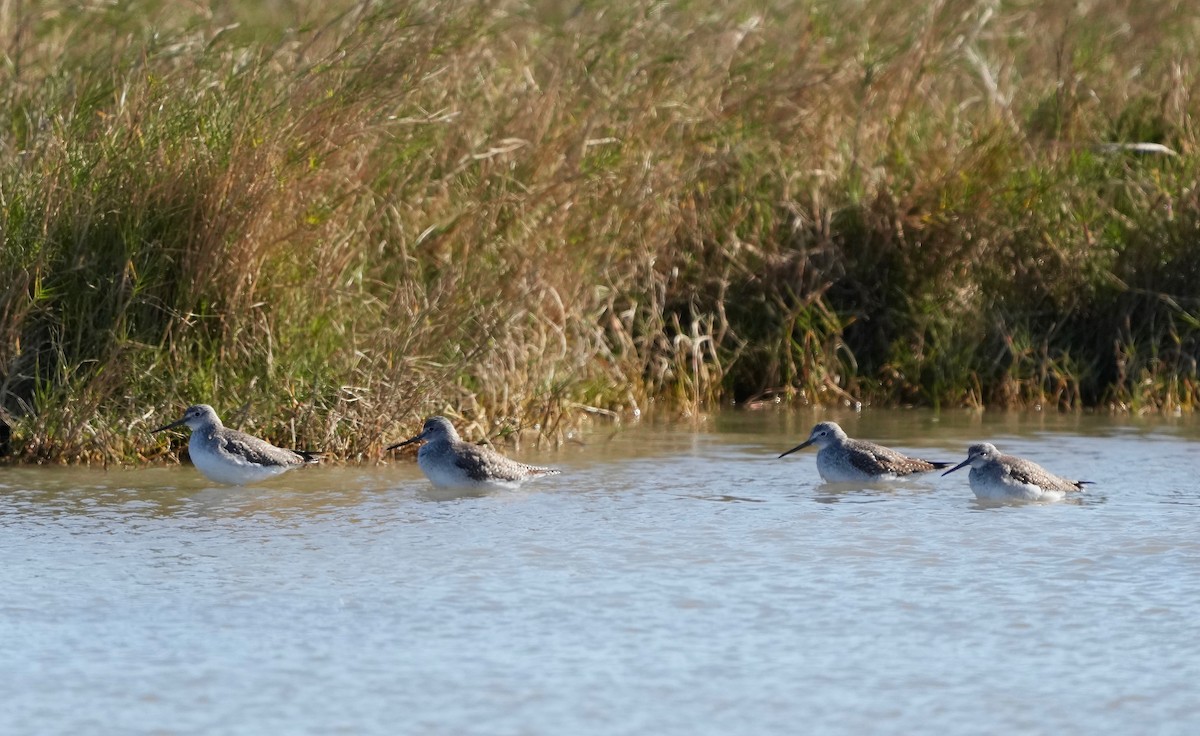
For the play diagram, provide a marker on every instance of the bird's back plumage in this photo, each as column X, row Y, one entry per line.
column 878, row 460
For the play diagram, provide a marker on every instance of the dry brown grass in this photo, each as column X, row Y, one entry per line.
column 526, row 215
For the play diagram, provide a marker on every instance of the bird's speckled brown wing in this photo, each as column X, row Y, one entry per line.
column 256, row 451
column 484, row 464
column 876, row 459
column 1024, row 471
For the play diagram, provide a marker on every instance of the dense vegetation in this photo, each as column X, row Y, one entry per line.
column 329, row 222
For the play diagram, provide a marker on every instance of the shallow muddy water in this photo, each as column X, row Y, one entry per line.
column 673, row 580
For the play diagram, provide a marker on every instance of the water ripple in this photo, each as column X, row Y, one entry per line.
column 667, row 582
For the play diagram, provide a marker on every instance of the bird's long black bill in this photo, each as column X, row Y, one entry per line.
column 408, row 441
column 175, row 423
column 956, row 467
column 312, row 457
column 800, row 446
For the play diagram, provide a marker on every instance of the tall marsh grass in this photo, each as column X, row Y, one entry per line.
column 331, row 220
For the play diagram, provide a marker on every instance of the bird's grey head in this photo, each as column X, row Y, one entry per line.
column 195, row 417
column 981, row 452
column 434, row 429
column 978, row 455
column 438, row 428
column 823, row 435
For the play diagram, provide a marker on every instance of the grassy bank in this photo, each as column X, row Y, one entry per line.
column 330, row 223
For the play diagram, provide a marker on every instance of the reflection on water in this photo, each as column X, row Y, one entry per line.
column 672, row 580
column 868, row 492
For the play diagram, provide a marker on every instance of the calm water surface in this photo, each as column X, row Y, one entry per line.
column 671, row 581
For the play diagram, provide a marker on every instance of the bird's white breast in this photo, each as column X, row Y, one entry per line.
column 225, row 468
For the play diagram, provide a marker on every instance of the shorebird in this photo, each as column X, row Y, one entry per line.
column 448, row 462
column 995, row 476
column 228, row 456
column 843, row 460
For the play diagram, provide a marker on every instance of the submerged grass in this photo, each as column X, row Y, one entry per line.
column 329, row 221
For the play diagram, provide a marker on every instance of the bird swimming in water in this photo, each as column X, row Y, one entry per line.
column 995, row 476
column 448, row 462
column 228, row 456
column 842, row 460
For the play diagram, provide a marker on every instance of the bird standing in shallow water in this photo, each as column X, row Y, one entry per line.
column 995, row 476
column 228, row 456
column 448, row 462
column 842, row 460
